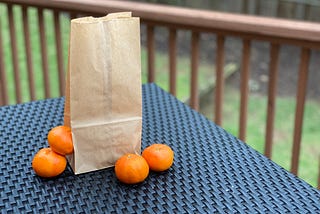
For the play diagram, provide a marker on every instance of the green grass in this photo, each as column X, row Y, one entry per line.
column 283, row 133
column 257, row 104
column 206, row 73
column 36, row 52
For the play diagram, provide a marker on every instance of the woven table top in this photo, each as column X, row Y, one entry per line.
column 213, row 171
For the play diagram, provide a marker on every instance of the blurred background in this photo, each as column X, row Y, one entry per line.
column 289, row 59
column 300, row 10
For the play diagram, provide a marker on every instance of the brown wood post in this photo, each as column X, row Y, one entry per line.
column 319, row 173
column 61, row 73
column 150, row 48
column 27, row 42
column 219, row 89
column 194, row 96
column 244, row 88
column 272, row 93
column 14, row 54
column 300, row 100
column 44, row 53
column 3, row 76
column 172, row 61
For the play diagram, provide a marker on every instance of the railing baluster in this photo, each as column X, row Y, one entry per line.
column 301, row 95
column 257, row 7
column 319, row 173
column 14, row 54
column 44, row 53
column 25, row 20
column 307, row 10
column 219, row 79
column 172, row 61
column 272, row 92
column 294, row 9
column 57, row 31
column 245, row 72
column 194, row 97
column 245, row 6
column 3, row 76
column 151, row 47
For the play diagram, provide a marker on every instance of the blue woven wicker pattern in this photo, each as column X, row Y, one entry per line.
column 213, row 171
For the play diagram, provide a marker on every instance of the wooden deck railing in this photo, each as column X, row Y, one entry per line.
column 276, row 32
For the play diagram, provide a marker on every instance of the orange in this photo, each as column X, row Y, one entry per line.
column 131, row 169
column 159, row 157
column 60, row 140
column 47, row 163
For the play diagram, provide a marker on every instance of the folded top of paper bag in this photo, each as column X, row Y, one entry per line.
column 90, row 19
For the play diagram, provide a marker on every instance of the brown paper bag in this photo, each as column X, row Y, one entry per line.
column 103, row 103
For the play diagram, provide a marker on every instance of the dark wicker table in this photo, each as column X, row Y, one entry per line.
column 213, row 171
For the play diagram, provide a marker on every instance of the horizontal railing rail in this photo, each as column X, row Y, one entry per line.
column 277, row 32
column 296, row 32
